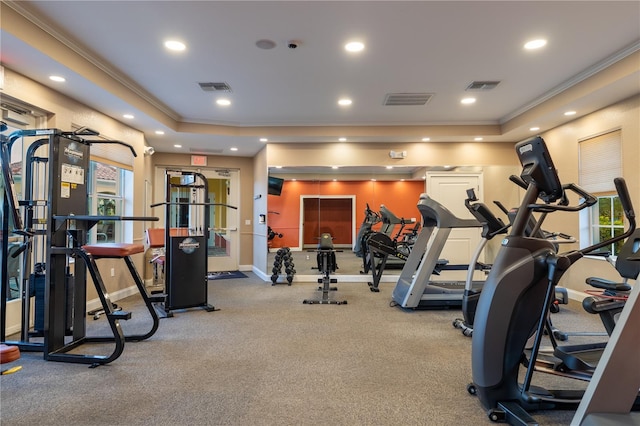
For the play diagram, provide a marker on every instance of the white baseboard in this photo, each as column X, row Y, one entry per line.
column 260, row 274
column 576, row 295
column 115, row 296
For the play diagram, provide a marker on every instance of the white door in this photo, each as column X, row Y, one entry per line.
column 450, row 190
column 223, row 229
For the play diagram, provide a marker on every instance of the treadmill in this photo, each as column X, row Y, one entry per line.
column 414, row 288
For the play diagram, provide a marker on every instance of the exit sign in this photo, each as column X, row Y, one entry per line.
column 198, row 160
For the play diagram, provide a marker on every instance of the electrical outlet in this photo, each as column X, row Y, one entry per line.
column 113, row 272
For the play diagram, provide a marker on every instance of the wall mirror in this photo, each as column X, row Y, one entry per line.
column 346, row 202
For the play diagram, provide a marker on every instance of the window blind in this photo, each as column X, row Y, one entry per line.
column 600, row 162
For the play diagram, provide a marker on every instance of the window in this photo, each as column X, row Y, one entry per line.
column 600, row 164
column 107, row 191
column 607, row 221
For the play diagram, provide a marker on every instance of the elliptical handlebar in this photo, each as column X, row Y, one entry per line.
column 518, row 181
column 627, row 206
column 625, row 199
column 588, row 201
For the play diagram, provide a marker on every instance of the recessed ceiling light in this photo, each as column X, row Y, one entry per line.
column 478, row 139
column 223, row 102
column 342, row 139
column 177, row 146
column 389, row 167
column 175, row 45
column 534, row 129
column 264, row 140
column 426, row 139
column 570, row 113
column 233, row 149
column 345, row 102
column 278, row 167
column 535, row 44
column 354, row 46
column 128, row 116
column 159, row 132
column 57, row 78
column 468, row 101
column 334, row 167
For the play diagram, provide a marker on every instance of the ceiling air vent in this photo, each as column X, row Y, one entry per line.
column 215, row 87
column 482, row 85
column 205, row 151
column 407, row 99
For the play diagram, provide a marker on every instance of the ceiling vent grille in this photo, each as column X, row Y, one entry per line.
column 407, row 99
column 482, row 85
column 205, row 151
column 215, row 87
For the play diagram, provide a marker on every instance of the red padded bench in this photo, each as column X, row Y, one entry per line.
column 8, row 353
column 122, row 251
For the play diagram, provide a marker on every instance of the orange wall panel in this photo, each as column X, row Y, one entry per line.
column 284, row 210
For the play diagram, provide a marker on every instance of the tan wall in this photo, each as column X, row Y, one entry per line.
column 563, row 145
column 63, row 113
column 260, row 173
column 377, row 154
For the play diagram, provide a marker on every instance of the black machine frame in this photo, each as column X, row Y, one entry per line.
column 517, row 296
column 60, row 224
column 186, row 286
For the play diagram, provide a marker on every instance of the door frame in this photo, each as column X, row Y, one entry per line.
column 329, row 197
column 159, row 195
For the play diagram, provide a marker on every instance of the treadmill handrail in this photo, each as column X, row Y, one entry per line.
column 435, row 214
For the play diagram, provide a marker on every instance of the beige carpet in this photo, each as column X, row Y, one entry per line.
column 266, row 359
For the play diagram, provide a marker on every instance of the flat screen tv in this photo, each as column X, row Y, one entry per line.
column 275, row 185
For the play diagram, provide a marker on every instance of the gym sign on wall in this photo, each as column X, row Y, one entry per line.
column 189, row 245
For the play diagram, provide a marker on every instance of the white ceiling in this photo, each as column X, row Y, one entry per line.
column 290, row 95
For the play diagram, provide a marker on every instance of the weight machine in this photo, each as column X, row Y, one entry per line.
column 186, row 235
column 326, row 264
column 56, row 227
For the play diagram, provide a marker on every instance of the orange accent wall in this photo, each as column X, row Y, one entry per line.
column 283, row 214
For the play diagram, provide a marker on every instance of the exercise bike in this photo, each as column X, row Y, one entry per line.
column 371, row 218
column 517, row 295
column 381, row 246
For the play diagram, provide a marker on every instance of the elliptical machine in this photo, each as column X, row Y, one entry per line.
column 491, row 226
column 518, row 293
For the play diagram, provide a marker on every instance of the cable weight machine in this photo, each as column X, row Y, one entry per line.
column 56, row 226
column 187, row 230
